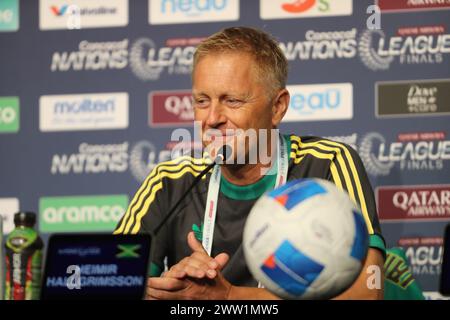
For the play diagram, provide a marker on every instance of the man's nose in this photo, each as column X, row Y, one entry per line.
column 216, row 115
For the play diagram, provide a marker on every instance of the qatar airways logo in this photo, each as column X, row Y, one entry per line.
column 171, row 108
column 413, row 203
column 394, row 6
column 428, row 151
column 411, row 45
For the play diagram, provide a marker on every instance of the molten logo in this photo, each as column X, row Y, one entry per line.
column 298, row 6
column 59, row 11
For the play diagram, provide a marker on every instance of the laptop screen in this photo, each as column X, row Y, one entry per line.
column 96, row 266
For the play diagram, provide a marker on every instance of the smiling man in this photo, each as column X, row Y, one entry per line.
column 240, row 97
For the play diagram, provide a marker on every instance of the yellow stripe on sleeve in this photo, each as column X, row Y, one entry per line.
column 156, row 188
column 345, row 172
column 128, row 219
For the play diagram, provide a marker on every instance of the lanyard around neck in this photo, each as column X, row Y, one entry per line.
column 213, row 192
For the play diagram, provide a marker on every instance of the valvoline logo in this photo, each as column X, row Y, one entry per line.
column 59, row 11
column 298, row 6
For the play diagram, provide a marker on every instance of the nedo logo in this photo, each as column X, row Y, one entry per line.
column 192, row 7
column 320, row 102
column 414, row 45
column 306, row 104
column 412, row 152
column 192, row 11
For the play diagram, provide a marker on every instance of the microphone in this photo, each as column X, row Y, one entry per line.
column 221, row 157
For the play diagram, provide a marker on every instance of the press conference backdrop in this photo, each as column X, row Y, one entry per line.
column 90, row 92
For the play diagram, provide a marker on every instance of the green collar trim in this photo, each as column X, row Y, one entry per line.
column 255, row 190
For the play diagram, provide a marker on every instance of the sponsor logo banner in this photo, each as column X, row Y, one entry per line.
column 9, row 114
column 170, row 108
column 421, row 151
column 92, row 159
column 424, row 255
column 410, row 98
column 406, row 45
column 8, row 207
column 138, row 157
column 284, row 9
column 322, row 45
column 413, row 203
column 180, row 11
column 81, row 213
column 90, row 111
column 316, row 102
column 9, row 15
column 80, row 14
column 146, row 60
column 411, row 45
column 407, row 5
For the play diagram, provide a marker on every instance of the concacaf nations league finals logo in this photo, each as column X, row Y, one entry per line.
column 422, row 151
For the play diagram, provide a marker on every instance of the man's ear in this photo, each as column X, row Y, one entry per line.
column 280, row 106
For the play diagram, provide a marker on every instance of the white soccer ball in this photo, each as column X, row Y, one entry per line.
column 305, row 240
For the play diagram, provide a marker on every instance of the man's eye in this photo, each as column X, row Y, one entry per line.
column 233, row 102
column 201, row 103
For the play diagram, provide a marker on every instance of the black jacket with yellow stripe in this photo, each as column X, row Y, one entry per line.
column 310, row 157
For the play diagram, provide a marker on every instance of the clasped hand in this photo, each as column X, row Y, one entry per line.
column 195, row 277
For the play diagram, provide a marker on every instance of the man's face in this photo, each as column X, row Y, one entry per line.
column 228, row 94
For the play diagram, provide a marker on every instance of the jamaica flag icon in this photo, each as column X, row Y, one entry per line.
column 128, row 251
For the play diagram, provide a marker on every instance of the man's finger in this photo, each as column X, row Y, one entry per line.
column 194, row 244
column 222, row 259
column 156, row 294
column 175, row 271
column 169, row 284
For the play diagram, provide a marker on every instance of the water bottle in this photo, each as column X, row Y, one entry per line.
column 23, row 259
